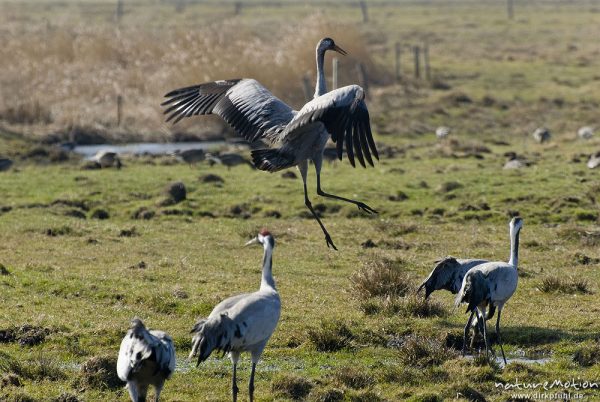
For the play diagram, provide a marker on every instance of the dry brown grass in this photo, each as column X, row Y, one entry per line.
column 70, row 73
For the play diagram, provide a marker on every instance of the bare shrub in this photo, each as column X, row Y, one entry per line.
column 380, row 277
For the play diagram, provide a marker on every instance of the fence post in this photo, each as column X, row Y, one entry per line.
column 426, row 61
column 306, row 87
column 119, row 110
column 363, row 78
column 509, row 9
column 119, row 11
column 334, row 77
column 417, row 51
column 397, row 62
column 363, row 9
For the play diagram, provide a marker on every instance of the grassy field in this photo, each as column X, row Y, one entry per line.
column 351, row 327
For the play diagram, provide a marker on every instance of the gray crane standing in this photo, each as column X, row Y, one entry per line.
column 491, row 285
column 145, row 358
column 242, row 323
column 300, row 136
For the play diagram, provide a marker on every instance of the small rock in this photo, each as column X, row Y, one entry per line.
column 289, row 175
column 100, row 214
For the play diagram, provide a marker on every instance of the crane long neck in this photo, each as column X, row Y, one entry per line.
column 321, row 87
column 267, row 281
column 514, row 247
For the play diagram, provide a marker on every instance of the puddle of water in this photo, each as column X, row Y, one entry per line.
column 151, row 148
column 519, row 357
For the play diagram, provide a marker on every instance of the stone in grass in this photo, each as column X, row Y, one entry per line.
column 174, row 193
column 99, row 372
column 100, row 214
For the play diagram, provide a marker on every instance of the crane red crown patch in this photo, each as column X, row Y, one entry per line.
column 264, row 232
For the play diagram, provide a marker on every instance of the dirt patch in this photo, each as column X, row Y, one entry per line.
column 143, row 213
column 211, row 178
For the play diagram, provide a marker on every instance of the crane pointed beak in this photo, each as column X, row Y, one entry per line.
column 339, row 50
column 253, row 241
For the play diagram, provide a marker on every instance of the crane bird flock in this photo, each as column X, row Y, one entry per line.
column 246, row 322
column 298, row 136
column 145, row 358
column 242, row 323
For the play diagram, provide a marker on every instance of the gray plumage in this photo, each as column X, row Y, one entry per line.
column 242, row 323
column 296, row 136
column 448, row 274
column 145, row 358
column 5, row 164
column 585, row 132
column 442, row 132
column 107, row 159
column 490, row 285
column 594, row 161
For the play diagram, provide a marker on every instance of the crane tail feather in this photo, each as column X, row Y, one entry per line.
column 271, row 160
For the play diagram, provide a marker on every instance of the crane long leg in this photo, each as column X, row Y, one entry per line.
column 234, row 387
column 485, row 338
column 158, row 391
column 466, row 334
column 303, row 167
column 498, row 334
column 251, row 385
column 361, row 205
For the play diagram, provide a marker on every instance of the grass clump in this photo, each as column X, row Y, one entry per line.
column 291, row 386
column 408, row 306
column 587, row 355
column 570, row 285
column 327, row 395
column 353, row 377
column 422, row 351
column 331, row 336
column 382, row 277
column 100, row 372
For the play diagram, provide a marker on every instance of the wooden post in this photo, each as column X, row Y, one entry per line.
column 238, row 8
column 397, row 62
column 509, row 9
column 306, row 87
column 417, row 51
column 334, row 77
column 363, row 78
column 363, row 9
column 119, row 110
column 426, row 61
column 119, row 11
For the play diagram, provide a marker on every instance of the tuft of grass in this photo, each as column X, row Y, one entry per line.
column 408, row 306
column 588, row 354
column 100, row 372
column 353, row 377
column 569, row 285
column 291, row 386
column 331, row 336
column 466, row 392
column 327, row 395
column 423, row 351
column 381, row 277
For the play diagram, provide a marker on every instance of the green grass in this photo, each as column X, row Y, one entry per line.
column 342, row 335
column 86, row 281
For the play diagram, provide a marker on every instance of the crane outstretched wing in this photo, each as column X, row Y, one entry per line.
column 247, row 106
column 448, row 274
column 345, row 115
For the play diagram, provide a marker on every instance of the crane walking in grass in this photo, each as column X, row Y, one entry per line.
column 145, row 358
column 300, row 136
column 242, row 323
column 491, row 285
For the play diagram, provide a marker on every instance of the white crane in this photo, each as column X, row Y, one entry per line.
column 491, row 285
column 255, row 113
column 145, row 358
column 242, row 323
